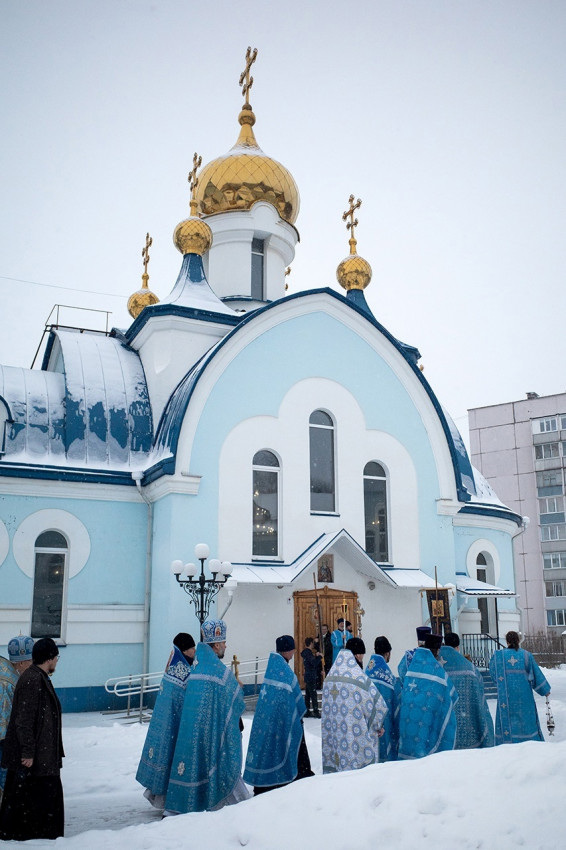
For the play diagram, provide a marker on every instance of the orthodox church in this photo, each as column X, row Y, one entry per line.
column 293, row 434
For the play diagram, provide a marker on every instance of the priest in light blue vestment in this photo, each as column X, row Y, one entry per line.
column 277, row 731
column 155, row 763
column 474, row 724
column 402, row 667
column 19, row 659
column 427, row 721
column 206, row 767
column 339, row 638
column 517, row 675
column 389, row 687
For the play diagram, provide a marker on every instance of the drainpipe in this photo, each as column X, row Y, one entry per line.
column 137, row 477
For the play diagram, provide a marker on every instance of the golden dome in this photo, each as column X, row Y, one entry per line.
column 140, row 299
column 353, row 272
column 246, row 175
column 193, row 235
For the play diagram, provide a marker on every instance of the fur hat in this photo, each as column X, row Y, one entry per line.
column 356, row 646
column 44, row 650
column 285, row 643
column 183, row 641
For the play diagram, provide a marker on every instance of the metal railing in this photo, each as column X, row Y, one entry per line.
column 134, row 687
column 480, row 648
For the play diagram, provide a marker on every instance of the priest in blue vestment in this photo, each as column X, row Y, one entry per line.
column 517, row 675
column 340, row 637
column 274, row 755
column 389, row 687
column 427, row 721
column 207, row 763
column 352, row 713
column 161, row 739
column 422, row 632
column 474, row 727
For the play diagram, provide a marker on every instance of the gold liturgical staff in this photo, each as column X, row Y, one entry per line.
column 353, row 272
column 144, row 296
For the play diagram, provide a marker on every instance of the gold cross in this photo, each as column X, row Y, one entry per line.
column 353, row 223
column 245, row 80
column 145, row 251
column 192, row 178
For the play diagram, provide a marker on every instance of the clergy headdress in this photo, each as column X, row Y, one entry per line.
column 213, row 631
column 20, row 649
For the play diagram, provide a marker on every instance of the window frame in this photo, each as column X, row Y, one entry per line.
column 275, row 469
column 52, row 550
column 333, row 429
column 554, row 613
column 385, row 478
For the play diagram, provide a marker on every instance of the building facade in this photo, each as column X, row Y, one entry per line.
column 520, row 447
column 293, row 434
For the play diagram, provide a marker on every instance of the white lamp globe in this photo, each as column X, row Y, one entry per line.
column 189, row 570
column 214, row 565
column 177, row 568
column 202, row 551
column 226, row 568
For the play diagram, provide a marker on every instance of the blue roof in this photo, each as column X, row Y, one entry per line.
column 91, row 410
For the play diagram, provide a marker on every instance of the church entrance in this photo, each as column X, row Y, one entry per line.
column 332, row 604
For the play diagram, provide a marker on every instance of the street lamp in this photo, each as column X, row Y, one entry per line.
column 203, row 590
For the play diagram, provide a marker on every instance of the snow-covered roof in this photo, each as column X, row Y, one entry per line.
column 279, row 573
column 88, row 407
column 474, row 587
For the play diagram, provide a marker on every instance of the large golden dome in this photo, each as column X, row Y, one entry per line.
column 246, row 175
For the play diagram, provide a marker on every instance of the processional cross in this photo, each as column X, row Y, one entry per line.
column 245, row 80
column 353, row 223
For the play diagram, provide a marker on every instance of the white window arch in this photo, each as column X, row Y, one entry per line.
column 376, row 521
column 49, row 584
column 322, row 464
column 265, row 505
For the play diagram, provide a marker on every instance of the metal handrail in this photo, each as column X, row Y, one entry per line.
column 133, row 685
column 479, row 648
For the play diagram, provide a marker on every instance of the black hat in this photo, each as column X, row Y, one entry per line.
column 433, row 641
column 340, row 620
column 452, row 639
column 423, row 631
column 183, row 641
column 44, row 650
column 285, row 643
column 356, row 646
column 381, row 645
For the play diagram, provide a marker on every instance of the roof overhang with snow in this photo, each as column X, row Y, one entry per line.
column 474, row 587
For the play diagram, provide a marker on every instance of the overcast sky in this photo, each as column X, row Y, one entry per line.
column 446, row 118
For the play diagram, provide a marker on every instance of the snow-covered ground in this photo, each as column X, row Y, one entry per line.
column 498, row 799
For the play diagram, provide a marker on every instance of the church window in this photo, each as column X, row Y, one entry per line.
column 51, row 551
column 258, row 254
column 265, row 511
column 322, row 477
column 375, row 510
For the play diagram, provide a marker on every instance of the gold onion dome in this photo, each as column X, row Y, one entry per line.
column 144, row 297
column 193, row 235
column 353, row 272
column 246, row 175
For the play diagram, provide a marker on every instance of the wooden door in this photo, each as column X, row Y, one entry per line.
column 332, row 604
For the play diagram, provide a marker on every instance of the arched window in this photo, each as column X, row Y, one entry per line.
column 321, row 436
column 375, row 509
column 265, row 512
column 51, row 552
column 481, row 574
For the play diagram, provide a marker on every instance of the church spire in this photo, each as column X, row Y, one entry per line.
column 144, row 296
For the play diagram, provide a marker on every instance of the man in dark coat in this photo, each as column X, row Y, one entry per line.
column 32, row 805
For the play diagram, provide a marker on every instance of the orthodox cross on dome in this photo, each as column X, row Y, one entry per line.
column 145, row 255
column 192, row 178
column 246, row 81
column 353, row 223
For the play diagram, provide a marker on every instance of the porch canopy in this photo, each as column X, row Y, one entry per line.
column 474, row 587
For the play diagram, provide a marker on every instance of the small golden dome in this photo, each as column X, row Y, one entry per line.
column 353, row 272
column 246, row 175
column 193, row 235
column 140, row 299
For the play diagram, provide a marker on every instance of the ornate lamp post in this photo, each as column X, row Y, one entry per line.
column 203, row 590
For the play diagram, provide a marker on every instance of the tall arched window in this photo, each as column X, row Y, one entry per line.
column 265, row 512
column 481, row 574
column 375, row 509
column 321, row 436
column 51, row 551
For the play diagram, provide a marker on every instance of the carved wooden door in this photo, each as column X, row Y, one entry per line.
column 332, row 604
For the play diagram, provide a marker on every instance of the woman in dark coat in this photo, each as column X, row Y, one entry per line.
column 32, row 805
